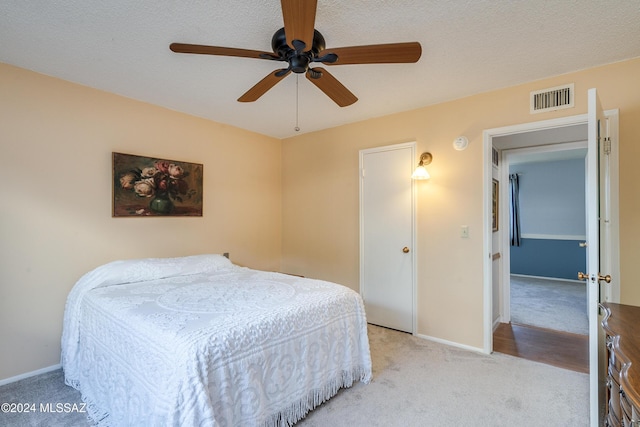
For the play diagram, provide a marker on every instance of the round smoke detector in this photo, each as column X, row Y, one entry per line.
column 460, row 143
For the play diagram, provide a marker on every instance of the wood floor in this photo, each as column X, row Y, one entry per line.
column 561, row 349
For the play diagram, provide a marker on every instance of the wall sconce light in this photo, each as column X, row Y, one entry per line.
column 421, row 171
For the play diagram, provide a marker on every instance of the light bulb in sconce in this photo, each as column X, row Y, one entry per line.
column 421, row 171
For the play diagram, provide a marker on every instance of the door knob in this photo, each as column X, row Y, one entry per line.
column 405, row 250
column 606, row 278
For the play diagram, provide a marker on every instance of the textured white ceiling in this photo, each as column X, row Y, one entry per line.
column 468, row 47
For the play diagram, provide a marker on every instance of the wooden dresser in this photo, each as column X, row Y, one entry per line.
column 621, row 324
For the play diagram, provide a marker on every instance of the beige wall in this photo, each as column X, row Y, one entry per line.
column 56, row 140
column 320, row 194
column 301, row 203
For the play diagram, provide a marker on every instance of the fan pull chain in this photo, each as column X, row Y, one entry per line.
column 297, row 128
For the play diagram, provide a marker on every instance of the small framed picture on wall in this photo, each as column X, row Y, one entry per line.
column 494, row 204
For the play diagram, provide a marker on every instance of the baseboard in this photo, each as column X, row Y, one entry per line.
column 451, row 343
column 556, row 279
column 29, row 374
column 496, row 323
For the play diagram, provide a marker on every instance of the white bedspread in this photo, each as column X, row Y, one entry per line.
column 198, row 341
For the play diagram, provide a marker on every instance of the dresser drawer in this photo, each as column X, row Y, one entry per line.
column 612, row 419
column 615, row 361
column 614, row 398
column 629, row 416
column 627, row 409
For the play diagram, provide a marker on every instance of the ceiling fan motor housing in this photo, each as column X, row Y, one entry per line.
column 298, row 60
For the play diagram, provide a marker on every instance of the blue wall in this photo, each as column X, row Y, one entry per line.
column 560, row 259
column 552, row 214
column 552, row 197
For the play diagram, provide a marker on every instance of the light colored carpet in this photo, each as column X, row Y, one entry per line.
column 552, row 304
column 422, row 383
column 416, row 383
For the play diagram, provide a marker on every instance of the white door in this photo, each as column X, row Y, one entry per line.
column 595, row 125
column 387, row 235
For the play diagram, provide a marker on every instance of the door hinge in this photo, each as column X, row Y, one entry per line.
column 607, row 145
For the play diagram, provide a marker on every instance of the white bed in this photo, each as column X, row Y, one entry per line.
column 199, row 341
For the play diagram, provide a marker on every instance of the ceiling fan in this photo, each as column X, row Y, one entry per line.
column 299, row 44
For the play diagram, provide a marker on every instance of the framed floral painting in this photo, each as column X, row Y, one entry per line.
column 146, row 186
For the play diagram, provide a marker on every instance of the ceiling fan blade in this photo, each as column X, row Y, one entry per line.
column 374, row 54
column 223, row 51
column 331, row 86
column 299, row 20
column 264, row 85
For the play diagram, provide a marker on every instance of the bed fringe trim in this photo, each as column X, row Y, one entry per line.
column 298, row 410
column 95, row 416
column 286, row 418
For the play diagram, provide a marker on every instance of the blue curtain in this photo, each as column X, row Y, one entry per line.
column 514, row 209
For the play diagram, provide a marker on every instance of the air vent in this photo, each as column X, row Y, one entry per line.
column 555, row 98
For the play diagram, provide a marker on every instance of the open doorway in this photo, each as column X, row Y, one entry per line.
column 543, row 307
column 545, row 135
column 547, row 233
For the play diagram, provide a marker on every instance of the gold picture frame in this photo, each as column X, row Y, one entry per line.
column 494, row 204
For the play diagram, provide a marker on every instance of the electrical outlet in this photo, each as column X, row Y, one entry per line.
column 464, row 231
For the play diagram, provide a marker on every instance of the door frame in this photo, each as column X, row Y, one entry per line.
column 612, row 220
column 412, row 147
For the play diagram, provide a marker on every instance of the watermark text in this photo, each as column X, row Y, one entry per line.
column 49, row 407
